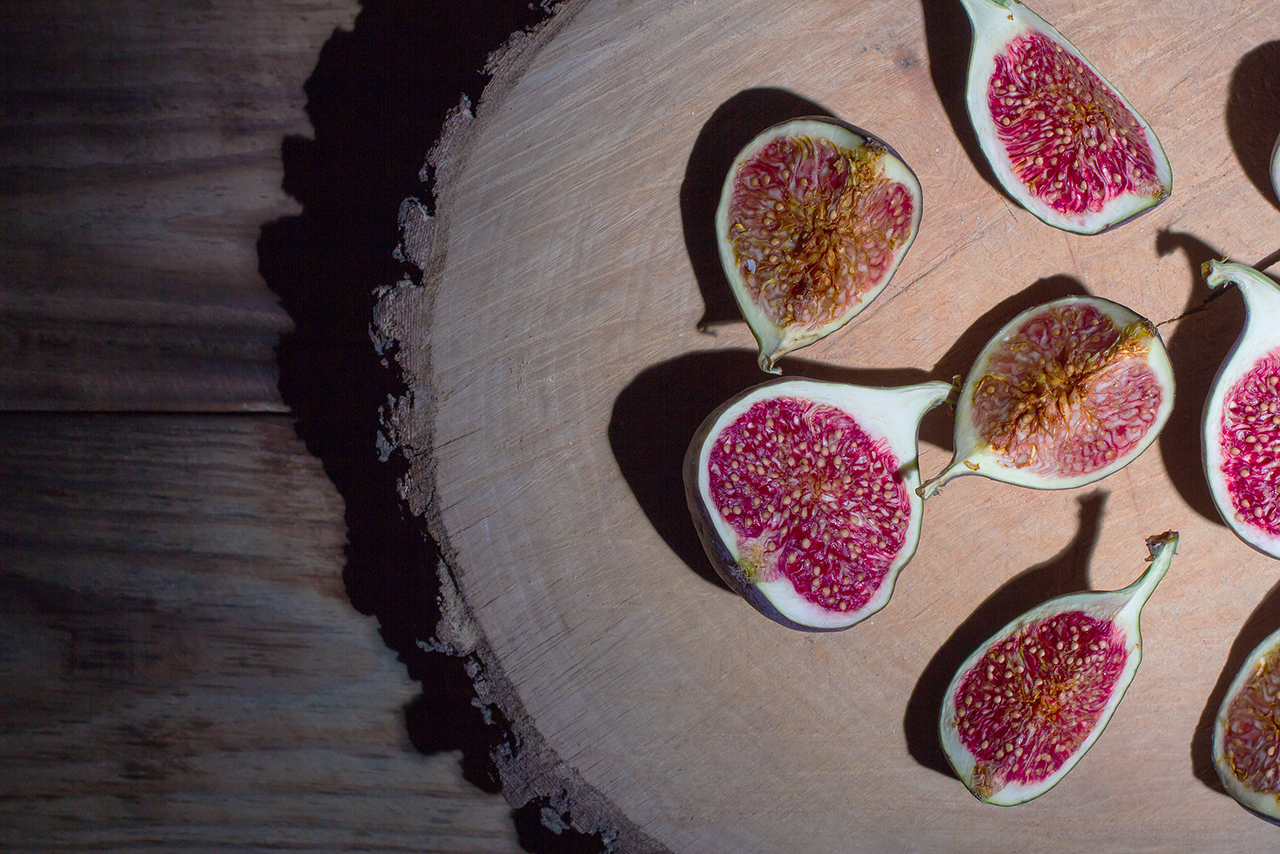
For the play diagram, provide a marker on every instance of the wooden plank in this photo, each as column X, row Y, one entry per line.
column 560, row 369
column 181, row 666
column 141, row 158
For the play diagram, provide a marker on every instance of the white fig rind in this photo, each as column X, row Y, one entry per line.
column 1124, row 607
column 995, row 24
column 889, row 414
column 775, row 342
column 1259, row 337
column 974, row 456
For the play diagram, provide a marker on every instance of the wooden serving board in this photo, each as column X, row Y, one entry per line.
column 572, row 329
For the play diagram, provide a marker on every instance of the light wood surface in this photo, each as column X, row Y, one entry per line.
column 210, row 602
column 572, row 330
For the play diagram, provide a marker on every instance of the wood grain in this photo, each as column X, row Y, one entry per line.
column 182, row 666
column 571, row 331
column 208, row 616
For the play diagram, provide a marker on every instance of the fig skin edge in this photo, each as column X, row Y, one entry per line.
column 1261, row 804
column 1259, row 337
column 994, row 24
column 973, row 455
column 775, row 341
column 1124, row 606
column 911, row 403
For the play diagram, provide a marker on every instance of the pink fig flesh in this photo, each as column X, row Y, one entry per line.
column 811, row 499
column 1063, row 395
column 1074, row 396
column 1029, row 702
column 1249, row 440
column 1034, row 698
column 1061, row 140
column 1050, row 108
column 814, row 218
column 803, row 494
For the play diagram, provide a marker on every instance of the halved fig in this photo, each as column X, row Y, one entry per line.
column 1275, row 168
column 1029, row 702
column 1246, row 732
column 1242, row 414
column 1062, row 141
column 1064, row 395
column 815, row 217
column 803, row 494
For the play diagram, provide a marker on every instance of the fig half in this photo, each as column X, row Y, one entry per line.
column 1065, row 394
column 1062, row 141
column 1275, row 168
column 1242, row 414
column 1246, row 732
column 803, row 494
column 815, row 217
column 1029, row 702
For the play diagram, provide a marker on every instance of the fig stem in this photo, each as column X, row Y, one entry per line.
column 1162, row 548
column 1254, row 286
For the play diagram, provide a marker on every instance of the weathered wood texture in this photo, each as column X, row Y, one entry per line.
column 182, row 667
column 209, row 601
column 558, row 371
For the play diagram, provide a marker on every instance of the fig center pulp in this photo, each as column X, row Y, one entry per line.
column 1035, row 697
column 814, row 227
column 1072, row 142
column 1252, row 734
column 812, row 498
column 1250, row 435
column 1070, row 392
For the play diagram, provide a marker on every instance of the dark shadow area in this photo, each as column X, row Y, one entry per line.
column 949, row 38
column 377, row 100
column 734, row 123
column 1264, row 620
column 1066, row 572
column 655, row 417
column 1209, row 325
column 1253, row 114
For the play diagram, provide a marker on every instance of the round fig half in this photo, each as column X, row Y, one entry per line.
column 1246, row 732
column 814, row 219
column 1027, row 704
column 1064, row 395
column 1242, row 414
column 1062, row 141
column 803, row 494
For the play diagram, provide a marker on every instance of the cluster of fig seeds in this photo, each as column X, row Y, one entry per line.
column 1253, row 425
column 1009, row 706
column 1251, row 432
column 1048, row 101
column 815, row 499
column 846, row 226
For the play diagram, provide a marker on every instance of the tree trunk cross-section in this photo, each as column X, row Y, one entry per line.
column 570, row 330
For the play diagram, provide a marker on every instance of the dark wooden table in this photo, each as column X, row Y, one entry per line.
column 210, row 602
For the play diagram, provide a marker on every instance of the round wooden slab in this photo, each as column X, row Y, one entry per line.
column 573, row 329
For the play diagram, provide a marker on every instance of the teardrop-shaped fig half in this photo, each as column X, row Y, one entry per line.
column 1062, row 141
column 1242, row 414
column 814, row 219
column 803, row 494
column 1029, row 702
column 1246, row 732
column 1064, row 395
